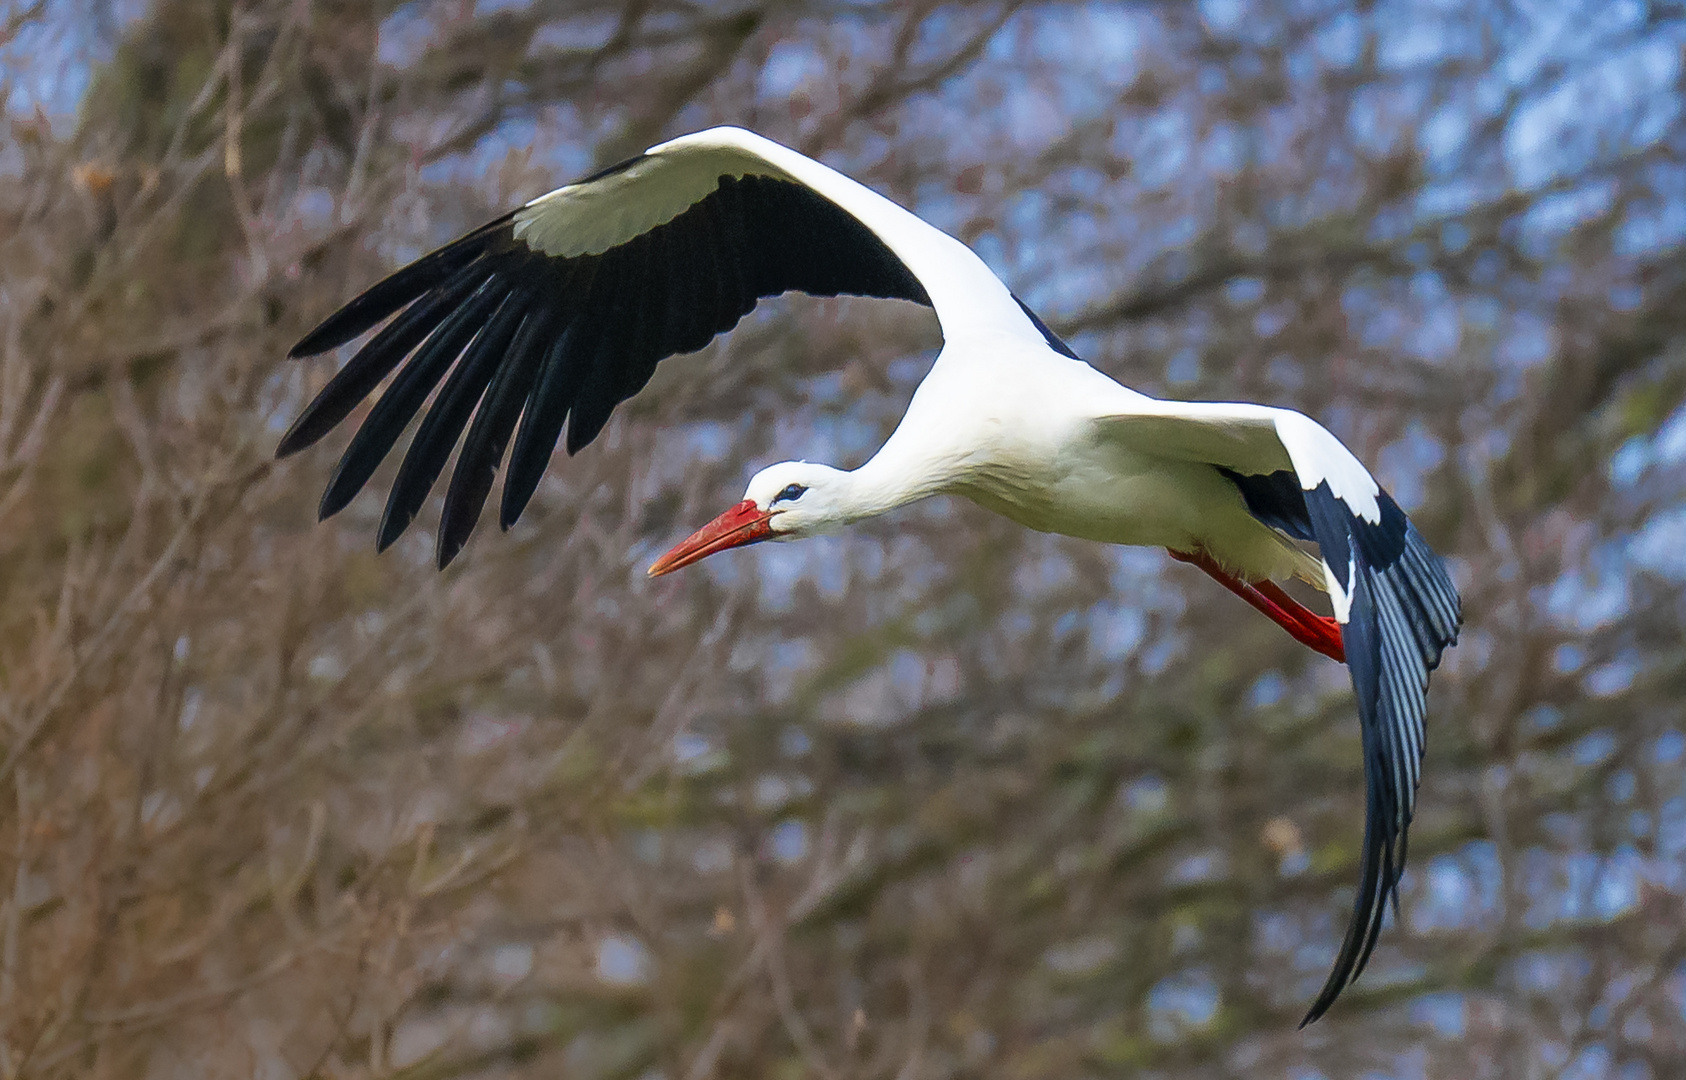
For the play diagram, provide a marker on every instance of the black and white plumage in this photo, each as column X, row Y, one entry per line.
column 539, row 323
column 573, row 325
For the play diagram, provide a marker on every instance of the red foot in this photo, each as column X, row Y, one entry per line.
column 1306, row 627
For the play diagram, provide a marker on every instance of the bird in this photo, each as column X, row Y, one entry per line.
column 529, row 330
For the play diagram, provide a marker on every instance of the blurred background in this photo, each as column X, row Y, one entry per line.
column 939, row 798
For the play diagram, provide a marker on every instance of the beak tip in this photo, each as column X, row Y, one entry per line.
column 743, row 524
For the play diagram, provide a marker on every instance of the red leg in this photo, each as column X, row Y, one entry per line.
column 1318, row 632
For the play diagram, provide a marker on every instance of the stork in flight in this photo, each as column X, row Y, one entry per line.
column 547, row 318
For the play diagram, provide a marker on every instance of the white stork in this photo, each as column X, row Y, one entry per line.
column 550, row 316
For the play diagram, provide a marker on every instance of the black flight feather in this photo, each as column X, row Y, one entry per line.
column 488, row 435
column 1273, row 498
column 727, row 212
column 688, row 331
column 541, row 423
column 375, row 361
column 392, row 293
column 387, row 420
column 437, row 436
column 1404, row 613
column 598, row 346
column 591, row 336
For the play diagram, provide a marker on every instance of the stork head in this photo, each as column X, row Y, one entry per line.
column 786, row 501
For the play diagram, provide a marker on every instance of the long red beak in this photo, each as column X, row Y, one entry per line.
column 743, row 524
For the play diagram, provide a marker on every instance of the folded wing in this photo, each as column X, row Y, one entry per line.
column 1397, row 605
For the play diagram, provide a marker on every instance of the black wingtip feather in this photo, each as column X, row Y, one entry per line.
column 488, row 436
column 444, row 422
column 387, row 420
column 600, row 351
column 374, row 362
column 541, row 423
column 396, row 290
column 1379, row 877
column 1387, row 812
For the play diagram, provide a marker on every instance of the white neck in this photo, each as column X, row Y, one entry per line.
column 926, row 455
column 903, row 471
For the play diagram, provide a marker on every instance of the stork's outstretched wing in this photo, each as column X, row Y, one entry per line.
column 559, row 311
column 1396, row 603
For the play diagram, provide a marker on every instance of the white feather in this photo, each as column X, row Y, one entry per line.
column 1252, row 439
column 1340, row 599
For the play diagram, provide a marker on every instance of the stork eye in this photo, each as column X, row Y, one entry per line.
column 791, row 493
